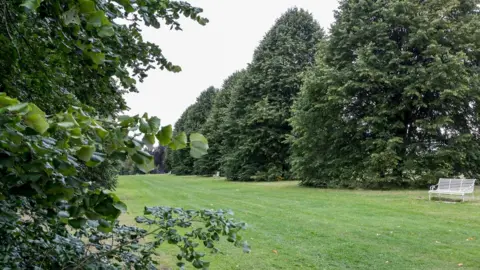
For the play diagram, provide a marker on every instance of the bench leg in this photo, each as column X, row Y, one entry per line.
column 463, row 198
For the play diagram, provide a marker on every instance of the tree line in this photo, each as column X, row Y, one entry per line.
column 389, row 99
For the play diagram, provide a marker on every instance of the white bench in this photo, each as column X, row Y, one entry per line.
column 460, row 187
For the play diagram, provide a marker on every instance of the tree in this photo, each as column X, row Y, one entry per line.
column 77, row 51
column 62, row 53
column 74, row 61
column 52, row 218
column 393, row 99
column 214, row 128
column 260, row 107
column 192, row 120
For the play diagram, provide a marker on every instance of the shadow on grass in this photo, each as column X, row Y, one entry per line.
column 451, row 200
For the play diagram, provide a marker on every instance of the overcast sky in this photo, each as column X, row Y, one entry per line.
column 209, row 54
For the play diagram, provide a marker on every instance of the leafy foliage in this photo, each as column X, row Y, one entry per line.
column 43, row 192
column 257, row 123
column 61, row 53
column 393, row 99
column 192, row 121
column 135, row 247
column 71, row 61
column 88, row 51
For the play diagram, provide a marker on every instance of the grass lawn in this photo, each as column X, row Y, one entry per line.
column 291, row 227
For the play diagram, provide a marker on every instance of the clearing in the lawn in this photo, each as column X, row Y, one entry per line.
column 292, row 227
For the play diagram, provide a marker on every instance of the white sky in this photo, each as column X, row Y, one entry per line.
column 209, row 54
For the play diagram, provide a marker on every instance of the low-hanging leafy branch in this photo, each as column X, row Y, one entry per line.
column 42, row 191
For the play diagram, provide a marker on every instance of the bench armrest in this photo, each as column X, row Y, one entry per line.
column 433, row 187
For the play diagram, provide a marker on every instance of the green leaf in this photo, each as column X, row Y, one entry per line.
column 74, row 211
column 144, row 126
column 7, row 101
column 92, row 215
column 33, row 177
column 36, row 120
column 66, row 124
column 120, row 206
column 106, row 208
column 197, row 264
column 179, row 141
column 97, row 57
column 197, row 137
column 96, row 159
column 86, row 152
column 138, row 159
column 2, row 197
column 106, row 31
column 164, row 136
column 68, row 117
column 122, row 156
column 147, row 166
column 144, row 154
column 104, row 226
column 76, row 131
column 126, row 120
column 71, row 17
column 31, row 4
column 154, row 124
column 176, row 69
column 87, row 6
column 198, row 145
column 77, row 223
column 21, row 107
column 114, row 196
column 67, row 169
column 96, row 18
column 101, row 132
column 149, row 139
column 126, row 5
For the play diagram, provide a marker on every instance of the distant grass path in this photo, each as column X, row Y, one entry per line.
column 301, row 228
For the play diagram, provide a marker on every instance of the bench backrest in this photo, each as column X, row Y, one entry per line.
column 455, row 184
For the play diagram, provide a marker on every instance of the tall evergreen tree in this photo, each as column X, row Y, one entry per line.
column 394, row 98
column 260, row 107
column 192, row 120
column 214, row 128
